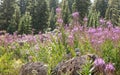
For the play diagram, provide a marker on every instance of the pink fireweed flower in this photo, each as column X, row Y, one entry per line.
column 99, row 29
column 85, row 19
column 58, row 10
column 109, row 68
column 109, row 24
column 99, row 62
column 70, row 39
column 60, row 20
column 75, row 14
column 102, row 21
column 75, row 29
column 91, row 30
column 36, row 47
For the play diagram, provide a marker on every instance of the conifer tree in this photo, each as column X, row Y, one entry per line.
column 82, row 6
column 6, row 12
column 70, row 3
column 53, row 4
column 113, row 12
column 14, row 20
column 101, row 6
column 52, row 20
column 40, row 16
column 22, row 4
column 65, row 11
column 93, row 18
column 25, row 24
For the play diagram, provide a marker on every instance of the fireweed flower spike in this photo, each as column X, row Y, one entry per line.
column 75, row 14
column 99, row 64
column 102, row 21
column 70, row 40
column 109, row 69
column 109, row 24
column 60, row 21
column 58, row 10
column 85, row 19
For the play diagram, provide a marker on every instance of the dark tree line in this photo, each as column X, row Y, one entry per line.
column 26, row 16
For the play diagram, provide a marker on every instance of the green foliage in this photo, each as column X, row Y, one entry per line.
column 110, row 53
column 86, row 69
column 25, row 24
column 53, row 51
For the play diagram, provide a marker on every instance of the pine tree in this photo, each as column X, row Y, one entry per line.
column 6, row 12
column 25, row 24
column 113, row 12
column 82, row 6
column 14, row 20
column 101, row 6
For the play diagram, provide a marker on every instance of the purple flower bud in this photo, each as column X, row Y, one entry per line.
column 71, row 39
column 75, row 14
column 58, row 10
column 75, row 29
column 85, row 19
column 109, row 24
column 102, row 21
column 109, row 68
column 60, row 20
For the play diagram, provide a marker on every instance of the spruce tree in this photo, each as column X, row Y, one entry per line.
column 6, row 12
column 101, row 6
column 25, row 24
column 65, row 11
column 93, row 18
column 22, row 4
column 82, row 6
column 70, row 3
column 53, row 4
column 113, row 12
column 52, row 20
column 14, row 20
column 40, row 16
